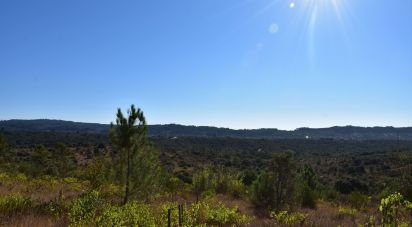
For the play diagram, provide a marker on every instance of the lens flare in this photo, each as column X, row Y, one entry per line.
column 308, row 14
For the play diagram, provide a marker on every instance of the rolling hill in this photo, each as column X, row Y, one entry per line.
column 174, row 130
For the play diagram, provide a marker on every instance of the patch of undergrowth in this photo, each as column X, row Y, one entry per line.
column 91, row 209
column 84, row 209
column 394, row 208
column 15, row 204
column 286, row 218
column 212, row 212
column 131, row 214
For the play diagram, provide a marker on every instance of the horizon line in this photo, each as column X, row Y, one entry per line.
column 221, row 127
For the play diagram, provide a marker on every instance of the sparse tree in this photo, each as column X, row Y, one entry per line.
column 40, row 161
column 203, row 180
column 137, row 160
column 274, row 187
column 283, row 169
column 306, row 186
column 63, row 160
column 262, row 191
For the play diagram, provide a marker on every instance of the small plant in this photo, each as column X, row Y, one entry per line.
column 391, row 208
column 70, row 180
column 371, row 221
column 221, row 215
column 286, row 218
column 83, row 210
column 131, row 214
column 213, row 213
column 15, row 204
column 347, row 211
column 5, row 179
column 358, row 200
column 204, row 180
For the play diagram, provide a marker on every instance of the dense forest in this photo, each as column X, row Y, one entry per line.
column 64, row 173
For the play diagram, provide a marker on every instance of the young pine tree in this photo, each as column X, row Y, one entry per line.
column 137, row 160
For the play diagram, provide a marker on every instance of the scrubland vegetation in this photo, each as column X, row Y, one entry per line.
column 138, row 181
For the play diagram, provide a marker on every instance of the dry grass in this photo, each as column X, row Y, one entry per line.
column 326, row 214
column 30, row 220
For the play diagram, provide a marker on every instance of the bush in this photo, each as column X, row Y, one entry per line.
column 329, row 194
column 90, row 210
column 392, row 208
column 262, row 194
column 229, row 182
column 213, row 213
column 15, row 204
column 236, row 188
column 131, row 214
column 83, row 210
column 248, row 177
column 307, row 184
column 172, row 185
column 347, row 212
column 286, row 218
column 221, row 215
column 204, row 181
column 307, row 197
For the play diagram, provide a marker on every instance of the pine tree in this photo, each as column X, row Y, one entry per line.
column 282, row 168
column 130, row 137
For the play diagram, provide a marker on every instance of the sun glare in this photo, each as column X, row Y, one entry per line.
column 309, row 13
column 314, row 11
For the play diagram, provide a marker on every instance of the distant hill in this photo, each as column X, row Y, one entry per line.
column 174, row 130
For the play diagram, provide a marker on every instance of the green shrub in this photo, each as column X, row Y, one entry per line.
column 329, row 194
column 274, row 188
column 286, row 218
column 70, row 180
column 83, row 210
column 173, row 185
column 392, row 208
column 236, row 188
column 204, row 180
column 351, row 212
column 5, row 179
column 211, row 212
column 112, row 216
column 229, row 182
column 205, row 212
column 131, row 214
column 221, row 215
column 306, row 196
column 262, row 193
column 306, row 185
column 15, row 204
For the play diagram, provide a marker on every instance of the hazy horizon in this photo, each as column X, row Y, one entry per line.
column 234, row 64
column 217, row 126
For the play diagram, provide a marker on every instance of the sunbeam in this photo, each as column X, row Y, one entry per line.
column 310, row 13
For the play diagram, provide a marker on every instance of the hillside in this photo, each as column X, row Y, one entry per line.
column 174, row 130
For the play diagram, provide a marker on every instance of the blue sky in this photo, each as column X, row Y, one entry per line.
column 233, row 63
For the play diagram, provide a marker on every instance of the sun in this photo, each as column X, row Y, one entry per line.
column 318, row 6
column 307, row 15
column 315, row 11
